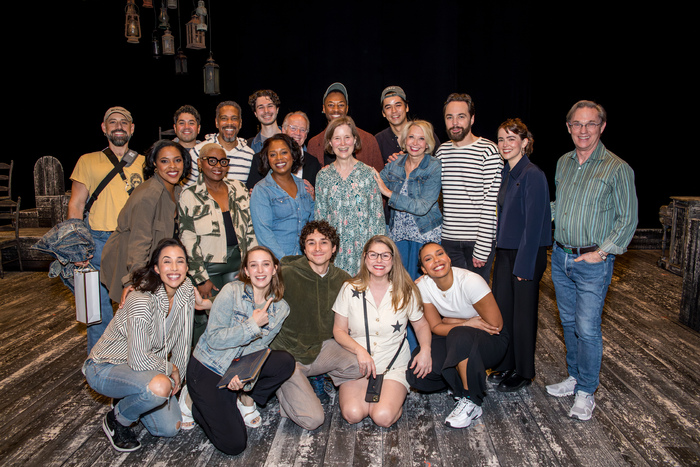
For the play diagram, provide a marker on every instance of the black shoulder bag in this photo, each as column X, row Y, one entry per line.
column 119, row 165
column 374, row 388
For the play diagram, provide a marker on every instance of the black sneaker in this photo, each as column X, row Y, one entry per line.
column 122, row 437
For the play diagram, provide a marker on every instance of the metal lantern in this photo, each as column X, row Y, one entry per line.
column 211, row 77
column 180, row 63
column 132, row 26
column 201, row 12
column 155, row 44
column 163, row 19
column 172, row 4
column 168, row 43
column 195, row 37
column 148, row 3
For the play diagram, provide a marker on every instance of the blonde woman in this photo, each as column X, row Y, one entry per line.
column 373, row 309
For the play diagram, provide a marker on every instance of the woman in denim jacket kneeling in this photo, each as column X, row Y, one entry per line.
column 246, row 315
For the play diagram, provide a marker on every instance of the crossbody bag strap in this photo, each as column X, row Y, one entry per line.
column 118, row 168
column 364, row 306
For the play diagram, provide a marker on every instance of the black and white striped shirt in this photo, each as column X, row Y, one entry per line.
column 471, row 177
column 138, row 336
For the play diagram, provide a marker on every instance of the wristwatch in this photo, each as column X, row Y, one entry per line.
column 602, row 254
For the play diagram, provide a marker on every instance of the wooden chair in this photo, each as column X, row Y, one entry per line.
column 6, row 180
column 9, row 234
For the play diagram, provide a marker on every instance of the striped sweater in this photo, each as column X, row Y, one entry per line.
column 471, row 177
column 137, row 335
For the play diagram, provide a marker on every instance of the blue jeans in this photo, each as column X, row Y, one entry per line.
column 462, row 253
column 160, row 415
column 580, row 290
column 95, row 331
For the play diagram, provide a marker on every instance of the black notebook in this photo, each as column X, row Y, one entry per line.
column 247, row 368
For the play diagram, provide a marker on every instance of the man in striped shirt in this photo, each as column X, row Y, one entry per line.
column 471, row 177
column 240, row 155
column 595, row 216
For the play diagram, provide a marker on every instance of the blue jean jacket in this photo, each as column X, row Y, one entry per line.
column 424, row 185
column 232, row 332
column 278, row 218
column 68, row 242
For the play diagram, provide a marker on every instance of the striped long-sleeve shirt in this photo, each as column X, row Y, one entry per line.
column 239, row 160
column 596, row 202
column 471, row 177
column 137, row 335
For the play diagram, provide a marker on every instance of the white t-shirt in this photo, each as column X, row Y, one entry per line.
column 457, row 301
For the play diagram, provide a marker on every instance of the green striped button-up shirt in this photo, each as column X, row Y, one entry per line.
column 596, row 202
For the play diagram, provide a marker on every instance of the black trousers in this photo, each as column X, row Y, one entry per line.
column 518, row 302
column 216, row 411
column 462, row 342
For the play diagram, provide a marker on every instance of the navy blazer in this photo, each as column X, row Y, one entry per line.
column 524, row 219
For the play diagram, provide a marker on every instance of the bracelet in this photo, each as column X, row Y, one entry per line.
column 602, row 254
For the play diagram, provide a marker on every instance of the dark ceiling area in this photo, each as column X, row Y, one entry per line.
column 516, row 59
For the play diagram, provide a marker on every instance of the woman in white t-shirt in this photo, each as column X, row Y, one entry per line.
column 385, row 290
column 467, row 331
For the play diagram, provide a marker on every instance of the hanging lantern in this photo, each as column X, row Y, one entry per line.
column 201, row 12
column 211, row 77
column 132, row 26
column 172, row 4
column 155, row 44
column 195, row 37
column 163, row 20
column 168, row 43
column 147, row 3
column 180, row 63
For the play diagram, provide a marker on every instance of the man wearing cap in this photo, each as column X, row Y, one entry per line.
column 335, row 104
column 265, row 104
column 101, row 219
column 187, row 123
column 228, row 122
column 395, row 110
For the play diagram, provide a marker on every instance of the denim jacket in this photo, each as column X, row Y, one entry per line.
column 232, row 332
column 424, row 184
column 68, row 242
column 278, row 218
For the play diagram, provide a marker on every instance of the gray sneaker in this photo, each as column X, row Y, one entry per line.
column 565, row 388
column 583, row 406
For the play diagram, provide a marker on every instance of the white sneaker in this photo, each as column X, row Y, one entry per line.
column 583, row 406
column 464, row 412
column 565, row 388
column 185, row 410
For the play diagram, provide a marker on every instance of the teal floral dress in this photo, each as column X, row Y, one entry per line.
column 354, row 207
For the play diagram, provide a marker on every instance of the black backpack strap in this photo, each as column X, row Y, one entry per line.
column 118, row 168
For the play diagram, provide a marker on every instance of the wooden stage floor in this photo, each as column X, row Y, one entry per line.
column 648, row 403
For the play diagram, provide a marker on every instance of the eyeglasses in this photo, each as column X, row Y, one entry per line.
column 213, row 161
column 301, row 130
column 590, row 126
column 373, row 255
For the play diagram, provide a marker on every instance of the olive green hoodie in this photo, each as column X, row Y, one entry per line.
column 310, row 298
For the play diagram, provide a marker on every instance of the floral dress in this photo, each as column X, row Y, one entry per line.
column 354, row 207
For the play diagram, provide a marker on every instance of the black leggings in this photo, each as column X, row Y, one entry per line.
column 481, row 348
column 216, row 411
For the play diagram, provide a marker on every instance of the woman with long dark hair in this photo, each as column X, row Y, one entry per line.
column 142, row 355
column 147, row 217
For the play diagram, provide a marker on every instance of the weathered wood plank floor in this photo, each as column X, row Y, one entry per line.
column 648, row 403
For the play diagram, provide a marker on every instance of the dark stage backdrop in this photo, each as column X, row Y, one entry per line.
column 516, row 59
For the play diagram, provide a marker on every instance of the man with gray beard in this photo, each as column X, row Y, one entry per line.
column 229, row 121
column 100, row 210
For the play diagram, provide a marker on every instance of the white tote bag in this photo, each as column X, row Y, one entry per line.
column 87, row 295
